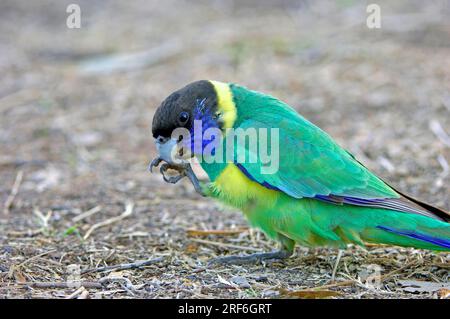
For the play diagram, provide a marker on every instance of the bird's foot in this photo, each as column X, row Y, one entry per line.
column 172, row 179
column 183, row 170
column 251, row 259
column 154, row 163
column 166, row 166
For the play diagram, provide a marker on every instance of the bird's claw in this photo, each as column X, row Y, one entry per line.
column 184, row 170
column 154, row 163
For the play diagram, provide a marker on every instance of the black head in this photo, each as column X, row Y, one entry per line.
column 177, row 110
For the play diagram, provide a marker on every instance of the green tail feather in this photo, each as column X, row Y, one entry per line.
column 314, row 223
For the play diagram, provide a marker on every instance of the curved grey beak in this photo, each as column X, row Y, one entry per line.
column 167, row 149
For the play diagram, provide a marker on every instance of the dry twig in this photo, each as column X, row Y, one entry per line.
column 137, row 264
column 14, row 191
column 76, row 293
column 128, row 211
column 381, row 278
column 214, row 243
column 87, row 213
column 439, row 131
column 56, row 284
column 35, row 257
column 222, row 232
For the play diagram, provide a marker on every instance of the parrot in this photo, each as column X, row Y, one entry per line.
column 318, row 195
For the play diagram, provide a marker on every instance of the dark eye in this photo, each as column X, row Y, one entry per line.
column 183, row 117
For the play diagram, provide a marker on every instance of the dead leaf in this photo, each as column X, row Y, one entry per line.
column 20, row 278
column 309, row 294
column 422, row 286
column 191, row 248
column 444, row 293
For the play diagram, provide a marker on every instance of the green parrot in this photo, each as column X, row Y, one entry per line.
column 318, row 194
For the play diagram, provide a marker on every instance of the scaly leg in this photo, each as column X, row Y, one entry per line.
column 251, row 259
column 285, row 252
column 194, row 180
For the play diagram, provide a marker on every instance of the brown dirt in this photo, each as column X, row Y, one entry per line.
column 77, row 126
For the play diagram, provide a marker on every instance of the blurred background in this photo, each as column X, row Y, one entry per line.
column 76, row 108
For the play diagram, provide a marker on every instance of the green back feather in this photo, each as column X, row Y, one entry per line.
column 311, row 163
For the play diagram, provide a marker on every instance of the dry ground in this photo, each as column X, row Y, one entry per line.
column 76, row 107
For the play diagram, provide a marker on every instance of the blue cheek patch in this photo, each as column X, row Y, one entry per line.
column 203, row 114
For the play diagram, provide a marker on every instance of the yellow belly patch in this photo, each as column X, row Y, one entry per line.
column 238, row 190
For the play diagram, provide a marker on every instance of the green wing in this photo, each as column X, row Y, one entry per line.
column 311, row 164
